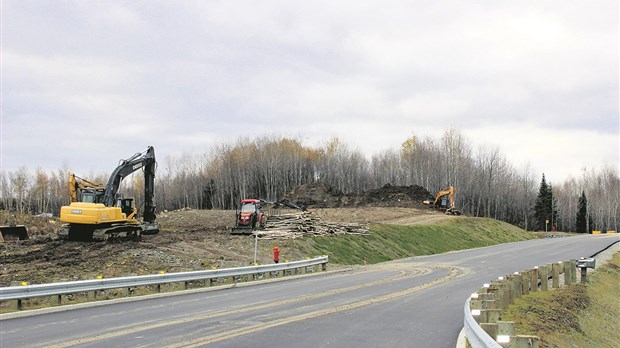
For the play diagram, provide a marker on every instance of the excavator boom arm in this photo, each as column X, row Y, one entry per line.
column 76, row 184
column 144, row 160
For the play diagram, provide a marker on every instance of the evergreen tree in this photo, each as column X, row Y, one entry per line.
column 582, row 214
column 544, row 209
column 590, row 223
column 553, row 210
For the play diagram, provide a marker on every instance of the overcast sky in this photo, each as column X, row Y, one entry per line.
column 87, row 83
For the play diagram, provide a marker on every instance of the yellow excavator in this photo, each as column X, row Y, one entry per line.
column 444, row 201
column 98, row 212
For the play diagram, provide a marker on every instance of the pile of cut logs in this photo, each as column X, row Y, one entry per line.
column 299, row 224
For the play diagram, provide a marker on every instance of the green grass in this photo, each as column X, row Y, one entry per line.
column 575, row 316
column 390, row 242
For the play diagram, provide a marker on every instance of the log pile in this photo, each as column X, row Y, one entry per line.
column 301, row 224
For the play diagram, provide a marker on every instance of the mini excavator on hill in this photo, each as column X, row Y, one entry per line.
column 444, row 201
column 98, row 213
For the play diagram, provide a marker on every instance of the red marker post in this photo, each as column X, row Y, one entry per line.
column 276, row 254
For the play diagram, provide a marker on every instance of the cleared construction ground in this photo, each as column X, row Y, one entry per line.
column 376, row 226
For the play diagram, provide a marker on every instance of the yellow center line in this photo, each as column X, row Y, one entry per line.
column 262, row 326
column 240, row 309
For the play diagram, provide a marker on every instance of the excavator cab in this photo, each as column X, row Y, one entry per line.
column 128, row 207
column 444, row 202
column 88, row 196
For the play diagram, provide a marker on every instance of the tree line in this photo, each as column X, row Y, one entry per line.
column 486, row 184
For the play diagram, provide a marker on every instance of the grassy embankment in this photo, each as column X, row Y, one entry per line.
column 390, row 242
column 575, row 316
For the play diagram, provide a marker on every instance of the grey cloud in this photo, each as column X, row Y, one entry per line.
column 208, row 72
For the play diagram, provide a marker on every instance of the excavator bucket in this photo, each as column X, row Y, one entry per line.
column 14, row 232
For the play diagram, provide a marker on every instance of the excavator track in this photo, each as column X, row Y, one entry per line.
column 106, row 232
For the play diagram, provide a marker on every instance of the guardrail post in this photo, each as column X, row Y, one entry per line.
column 567, row 273
column 555, row 274
column 573, row 270
column 126, row 292
column 489, row 315
column 230, row 280
column 92, row 295
column 506, row 328
column 501, row 294
column 534, row 279
column 488, row 300
column 15, row 304
column 584, row 274
column 518, row 285
column 522, row 341
column 505, row 334
column 490, row 304
column 475, row 304
column 324, row 266
column 525, row 282
column 544, row 278
column 509, row 283
column 489, row 328
column 505, row 292
column 495, row 291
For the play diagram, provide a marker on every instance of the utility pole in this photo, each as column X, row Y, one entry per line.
column 255, row 247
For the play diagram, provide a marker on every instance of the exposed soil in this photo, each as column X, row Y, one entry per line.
column 193, row 239
column 319, row 195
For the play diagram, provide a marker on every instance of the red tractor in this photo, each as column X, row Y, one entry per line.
column 249, row 217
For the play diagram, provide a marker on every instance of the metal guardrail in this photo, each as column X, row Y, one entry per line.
column 477, row 337
column 500, row 294
column 63, row 288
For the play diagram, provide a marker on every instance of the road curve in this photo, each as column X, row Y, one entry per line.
column 414, row 302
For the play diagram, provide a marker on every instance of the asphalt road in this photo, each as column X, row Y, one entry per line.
column 413, row 302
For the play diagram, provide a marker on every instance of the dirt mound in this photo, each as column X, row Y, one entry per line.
column 394, row 196
column 319, row 195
